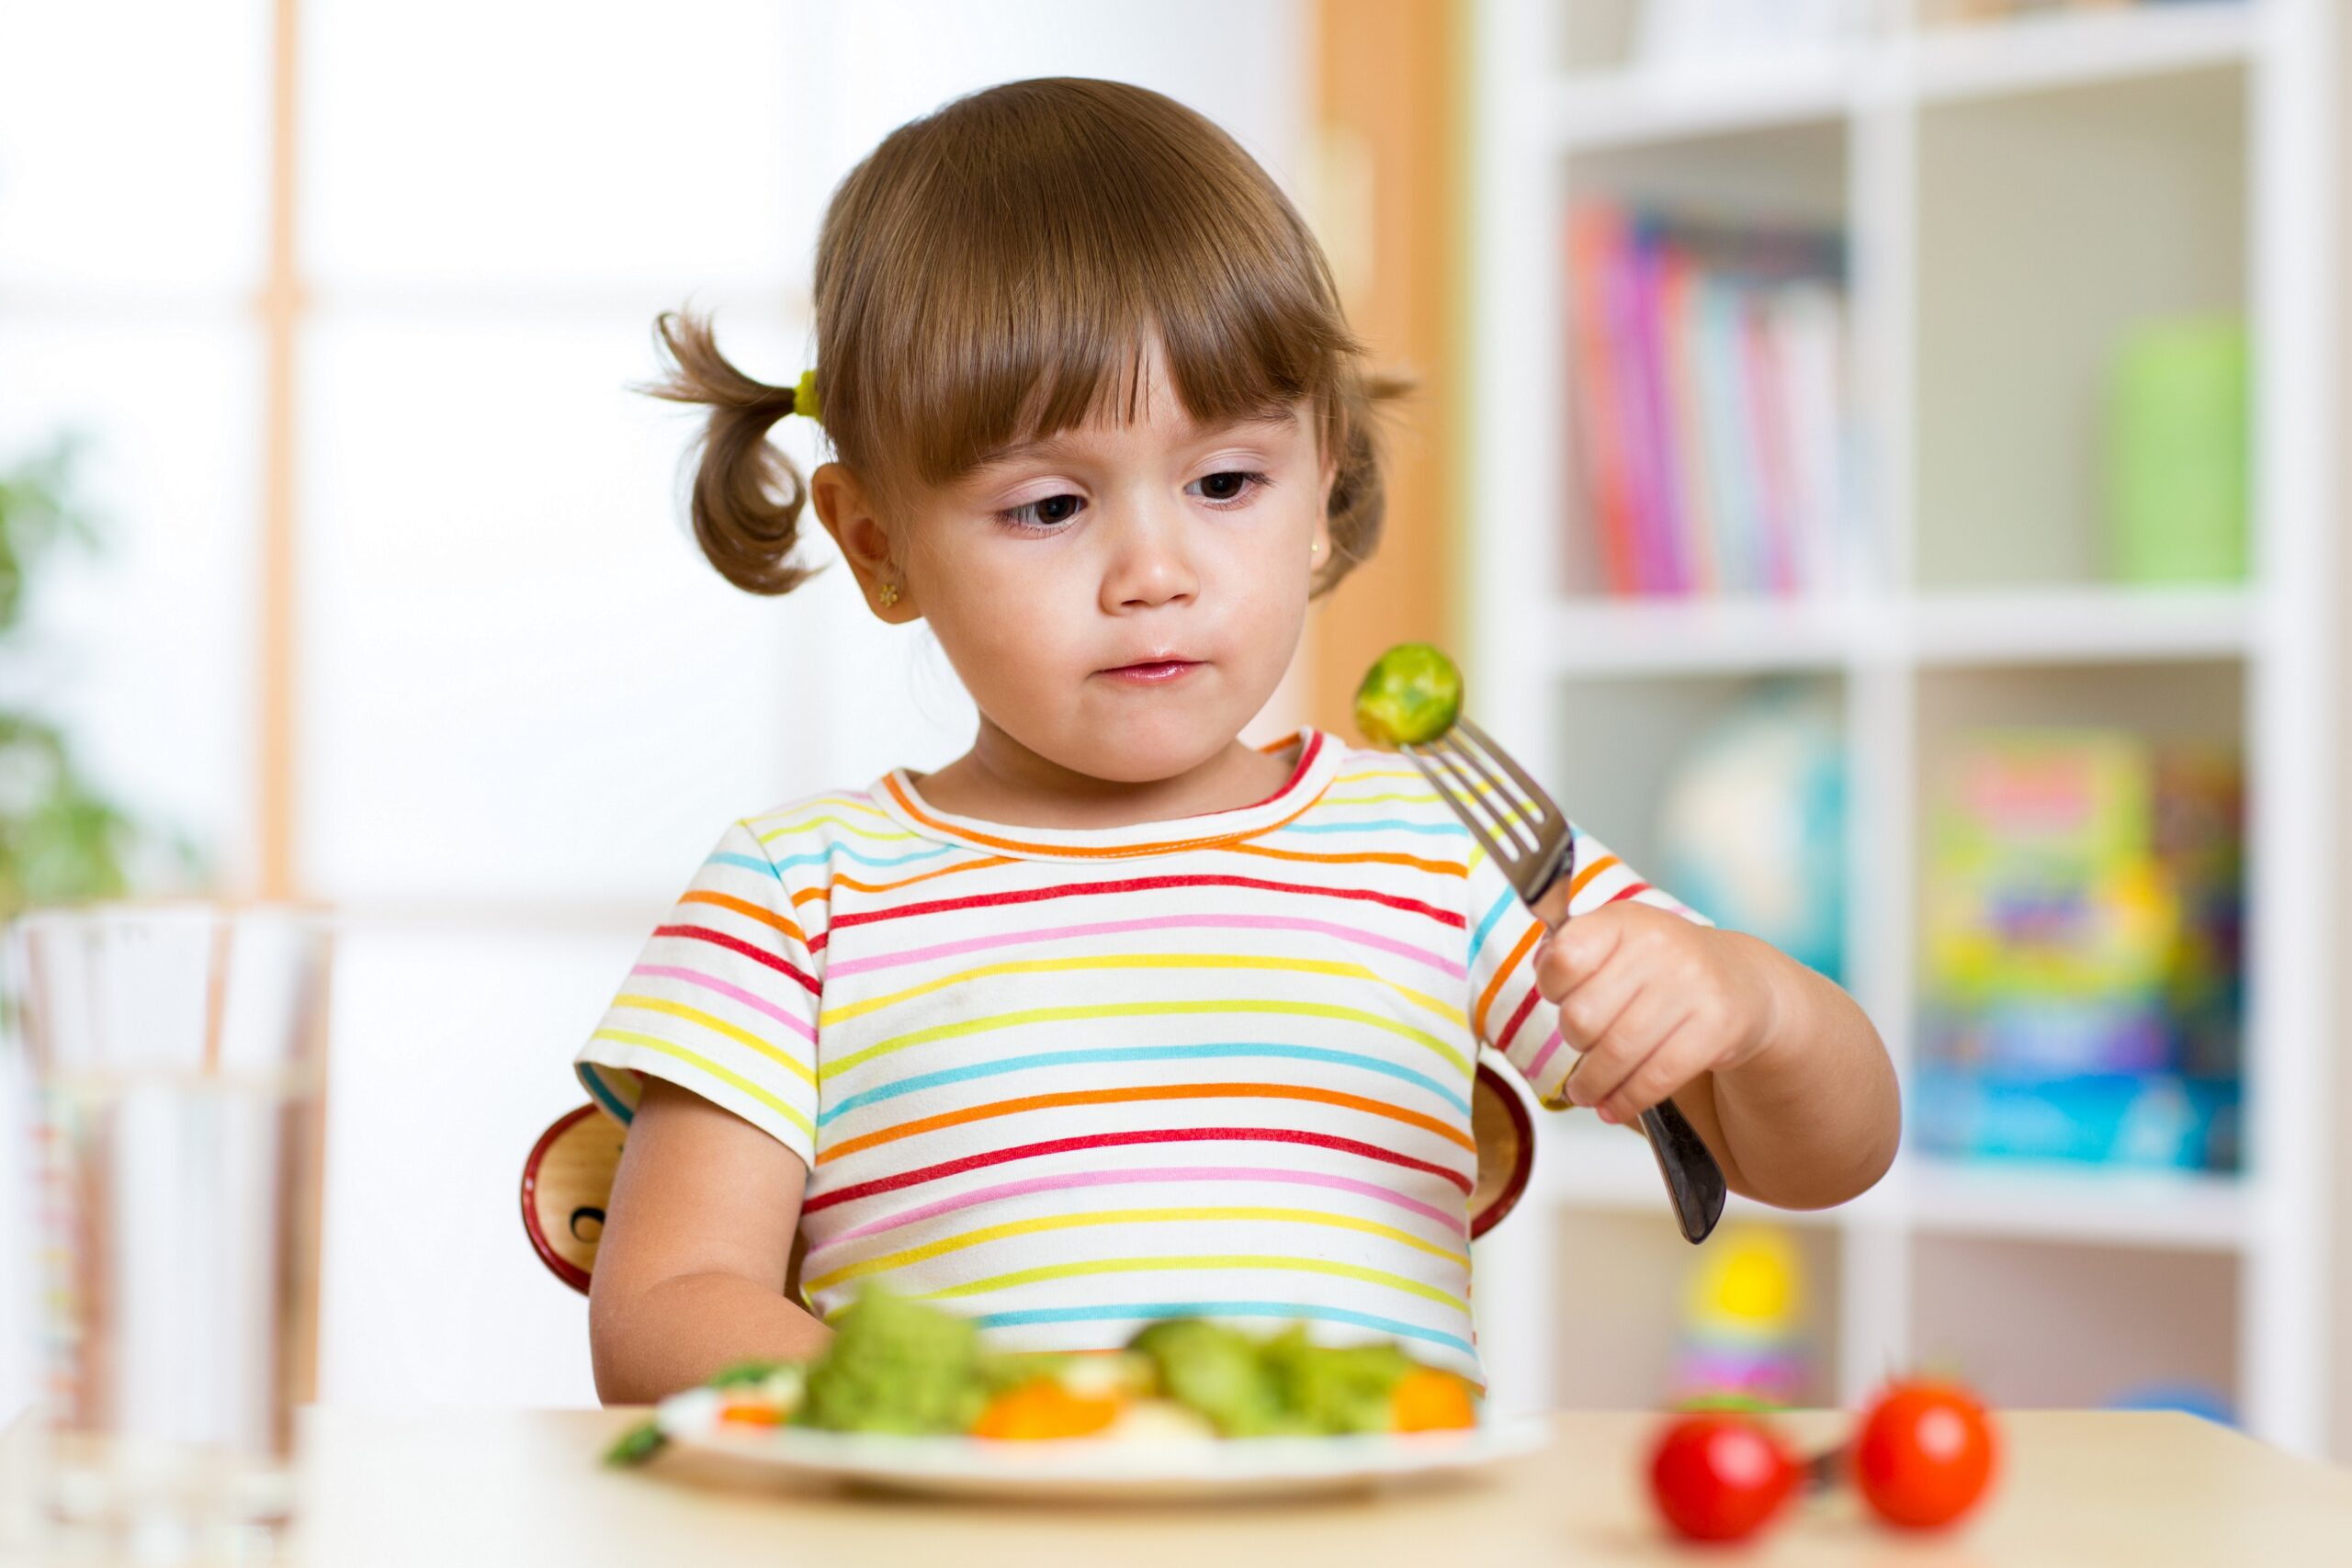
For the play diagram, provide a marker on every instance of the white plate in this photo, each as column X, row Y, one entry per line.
column 1096, row 1470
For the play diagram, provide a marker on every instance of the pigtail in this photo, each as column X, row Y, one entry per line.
column 747, row 494
column 1359, row 492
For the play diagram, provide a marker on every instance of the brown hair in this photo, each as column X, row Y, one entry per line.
column 989, row 273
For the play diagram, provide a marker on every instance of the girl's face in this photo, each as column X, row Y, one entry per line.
column 1053, row 565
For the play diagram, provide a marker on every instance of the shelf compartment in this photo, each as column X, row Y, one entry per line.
column 1624, row 1281
column 2092, row 1007
column 2048, row 1324
column 2049, row 226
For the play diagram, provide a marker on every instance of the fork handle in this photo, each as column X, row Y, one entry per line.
column 1692, row 1178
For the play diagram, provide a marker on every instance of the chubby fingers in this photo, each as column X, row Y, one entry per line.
column 1622, row 1008
column 1624, row 1057
column 1678, row 1058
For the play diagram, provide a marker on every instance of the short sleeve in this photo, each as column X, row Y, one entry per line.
column 723, row 1000
column 1508, row 1015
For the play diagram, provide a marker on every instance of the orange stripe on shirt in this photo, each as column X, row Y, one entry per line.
column 745, row 908
column 1583, row 879
column 1158, row 1091
column 1527, row 938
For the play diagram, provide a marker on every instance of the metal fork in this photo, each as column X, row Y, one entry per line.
column 1533, row 842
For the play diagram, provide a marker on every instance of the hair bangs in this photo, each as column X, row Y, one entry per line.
column 1039, row 268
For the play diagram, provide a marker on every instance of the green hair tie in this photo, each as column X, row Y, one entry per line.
column 804, row 396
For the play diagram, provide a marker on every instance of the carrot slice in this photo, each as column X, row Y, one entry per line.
column 752, row 1415
column 1044, row 1409
column 1428, row 1400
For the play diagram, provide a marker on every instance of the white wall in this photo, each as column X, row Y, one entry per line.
column 525, row 705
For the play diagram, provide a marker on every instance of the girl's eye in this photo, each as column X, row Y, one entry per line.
column 1047, row 512
column 1231, row 485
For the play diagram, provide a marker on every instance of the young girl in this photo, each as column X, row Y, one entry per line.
column 1116, row 1018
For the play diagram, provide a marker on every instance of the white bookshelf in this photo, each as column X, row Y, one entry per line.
column 1970, row 593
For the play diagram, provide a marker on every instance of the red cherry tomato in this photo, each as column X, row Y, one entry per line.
column 1925, row 1454
column 1720, row 1477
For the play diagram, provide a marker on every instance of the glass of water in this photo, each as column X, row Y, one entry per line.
column 176, row 1054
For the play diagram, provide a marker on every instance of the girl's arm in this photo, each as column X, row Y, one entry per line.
column 690, row 1274
column 1813, row 1118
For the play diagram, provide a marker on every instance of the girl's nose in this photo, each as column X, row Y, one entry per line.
column 1150, row 563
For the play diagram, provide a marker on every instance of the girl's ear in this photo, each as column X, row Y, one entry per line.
column 846, row 509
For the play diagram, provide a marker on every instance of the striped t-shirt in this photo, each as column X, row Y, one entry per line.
column 1066, row 1081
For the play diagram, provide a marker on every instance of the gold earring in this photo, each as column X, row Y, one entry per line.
column 889, row 595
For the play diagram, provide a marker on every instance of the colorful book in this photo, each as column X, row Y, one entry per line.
column 1708, row 374
column 1595, row 241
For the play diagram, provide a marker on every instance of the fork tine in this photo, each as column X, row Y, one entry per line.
column 1469, row 800
column 1450, row 788
column 1547, row 808
column 1519, row 821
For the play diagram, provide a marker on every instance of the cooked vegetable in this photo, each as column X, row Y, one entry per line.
column 637, row 1444
column 1217, row 1372
column 1044, row 1408
column 1426, row 1400
column 753, row 1413
column 1290, row 1386
column 1411, row 696
column 896, row 1365
column 1334, row 1389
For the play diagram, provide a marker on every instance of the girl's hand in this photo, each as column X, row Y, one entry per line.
column 1650, row 1000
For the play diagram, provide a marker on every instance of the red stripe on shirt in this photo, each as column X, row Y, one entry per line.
column 916, row 1177
column 737, row 944
column 1517, row 1017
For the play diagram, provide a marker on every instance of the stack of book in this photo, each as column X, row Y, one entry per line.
column 1710, row 385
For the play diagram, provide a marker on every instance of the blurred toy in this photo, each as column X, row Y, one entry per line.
column 2082, row 989
column 2177, row 451
column 2049, row 921
column 2162, row 1120
column 1742, row 1336
column 1752, row 827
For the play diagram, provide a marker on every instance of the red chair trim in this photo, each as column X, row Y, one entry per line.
column 563, row 1268
column 1522, row 1169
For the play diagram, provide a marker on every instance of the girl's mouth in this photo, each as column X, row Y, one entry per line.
column 1152, row 674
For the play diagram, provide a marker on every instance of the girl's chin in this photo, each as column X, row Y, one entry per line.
column 1132, row 748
